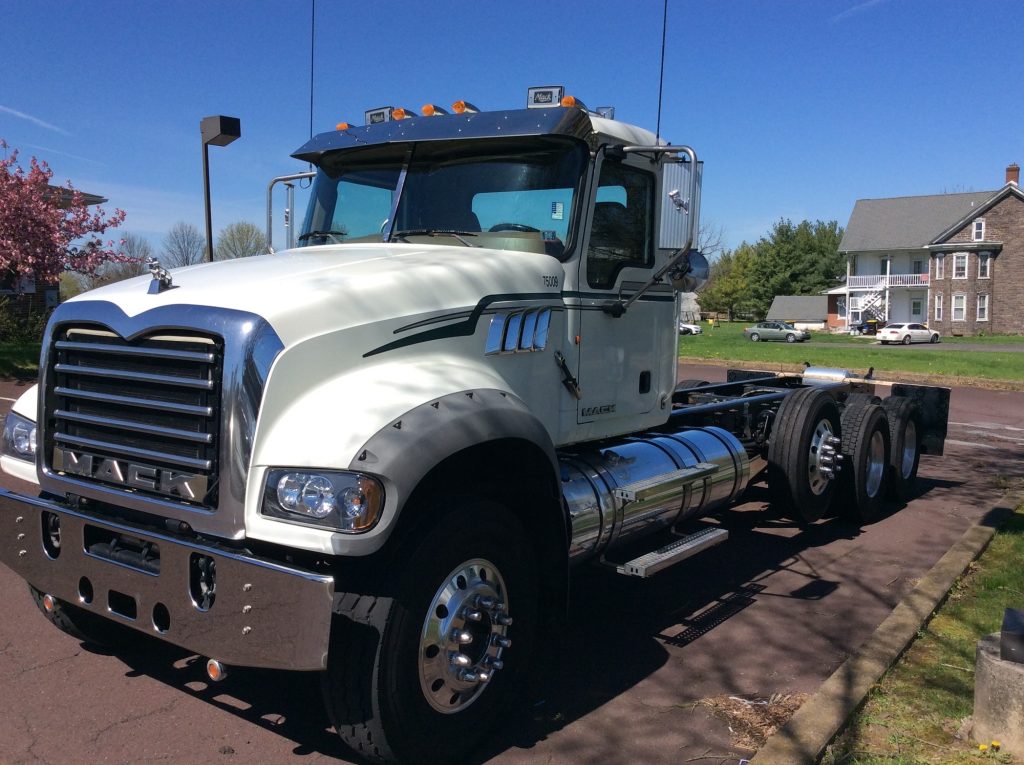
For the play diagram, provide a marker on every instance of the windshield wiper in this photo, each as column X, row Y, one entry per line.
column 401, row 235
column 321, row 234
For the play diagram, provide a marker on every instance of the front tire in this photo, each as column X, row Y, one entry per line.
column 790, row 338
column 423, row 674
column 754, row 337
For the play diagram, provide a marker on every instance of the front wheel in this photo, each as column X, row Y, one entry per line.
column 790, row 338
column 754, row 337
column 421, row 675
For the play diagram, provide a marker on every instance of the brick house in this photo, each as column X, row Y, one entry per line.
column 953, row 261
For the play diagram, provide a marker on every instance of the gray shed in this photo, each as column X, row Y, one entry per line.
column 804, row 311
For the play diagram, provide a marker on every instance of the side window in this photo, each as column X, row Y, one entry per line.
column 620, row 234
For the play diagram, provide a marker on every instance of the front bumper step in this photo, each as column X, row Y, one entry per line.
column 259, row 613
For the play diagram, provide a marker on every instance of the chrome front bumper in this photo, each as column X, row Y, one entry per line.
column 264, row 614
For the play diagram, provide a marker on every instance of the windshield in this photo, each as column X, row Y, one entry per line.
column 500, row 193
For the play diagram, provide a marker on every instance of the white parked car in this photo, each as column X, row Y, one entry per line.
column 689, row 329
column 907, row 334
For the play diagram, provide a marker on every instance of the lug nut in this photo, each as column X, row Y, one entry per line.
column 501, row 641
column 503, row 619
column 462, row 637
column 460, row 660
column 483, row 677
column 485, row 602
column 494, row 663
column 469, row 676
column 471, row 615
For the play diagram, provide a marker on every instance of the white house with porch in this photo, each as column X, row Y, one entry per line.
column 896, row 251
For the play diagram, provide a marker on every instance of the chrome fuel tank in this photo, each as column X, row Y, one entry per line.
column 591, row 477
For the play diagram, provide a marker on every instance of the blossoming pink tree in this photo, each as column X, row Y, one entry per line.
column 46, row 230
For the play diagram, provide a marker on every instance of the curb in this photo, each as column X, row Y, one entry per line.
column 804, row 738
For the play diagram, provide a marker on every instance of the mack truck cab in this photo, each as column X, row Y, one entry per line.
column 377, row 455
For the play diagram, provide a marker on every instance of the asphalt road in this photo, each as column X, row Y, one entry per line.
column 775, row 610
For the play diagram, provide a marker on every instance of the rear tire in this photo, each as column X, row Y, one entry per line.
column 906, row 339
column 866, row 452
column 398, row 685
column 806, row 422
column 934, row 339
column 687, row 384
column 905, row 432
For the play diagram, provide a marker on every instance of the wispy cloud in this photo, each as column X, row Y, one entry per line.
column 48, row 150
column 859, row 8
column 33, row 120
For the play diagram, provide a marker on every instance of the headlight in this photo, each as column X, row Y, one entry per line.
column 19, row 437
column 340, row 501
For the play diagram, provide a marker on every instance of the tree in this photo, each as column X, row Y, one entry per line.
column 709, row 240
column 729, row 286
column 183, row 246
column 136, row 250
column 800, row 259
column 46, row 230
column 240, row 240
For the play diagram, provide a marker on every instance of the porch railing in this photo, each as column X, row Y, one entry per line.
column 878, row 281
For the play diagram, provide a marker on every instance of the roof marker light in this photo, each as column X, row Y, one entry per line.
column 464, row 107
column 378, row 115
column 571, row 101
column 543, row 96
column 342, row 126
column 399, row 113
column 432, row 110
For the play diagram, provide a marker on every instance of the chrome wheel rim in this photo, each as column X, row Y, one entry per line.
column 463, row 637
column 909, row 449
column 821, row 458
column 876, row 464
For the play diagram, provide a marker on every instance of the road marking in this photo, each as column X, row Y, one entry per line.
column 974, row 444
column 988, row 426
column 4, row 398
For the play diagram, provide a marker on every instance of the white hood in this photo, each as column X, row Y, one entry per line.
column 306, row 292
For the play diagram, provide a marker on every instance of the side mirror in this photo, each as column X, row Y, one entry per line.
column 693, row 273
column 680, row 204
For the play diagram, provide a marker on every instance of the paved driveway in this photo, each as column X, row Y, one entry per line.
column 775, row 610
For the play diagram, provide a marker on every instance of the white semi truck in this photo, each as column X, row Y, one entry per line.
column 379, row 455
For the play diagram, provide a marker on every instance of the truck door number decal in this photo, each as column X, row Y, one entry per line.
column 550, row 281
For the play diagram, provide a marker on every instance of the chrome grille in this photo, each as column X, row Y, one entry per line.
column 143, row 414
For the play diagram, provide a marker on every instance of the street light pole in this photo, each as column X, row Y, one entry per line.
column 219, row 131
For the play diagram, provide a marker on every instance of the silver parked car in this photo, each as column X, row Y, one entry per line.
column 776, row 330
column 907, row 333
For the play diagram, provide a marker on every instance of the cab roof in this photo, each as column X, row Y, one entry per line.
column 565, row 121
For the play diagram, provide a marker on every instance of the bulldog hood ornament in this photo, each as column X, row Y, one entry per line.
column 161, row 277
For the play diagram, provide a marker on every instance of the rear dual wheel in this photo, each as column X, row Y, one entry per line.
column 905, row 432
column 866, row 453
column 802, row 454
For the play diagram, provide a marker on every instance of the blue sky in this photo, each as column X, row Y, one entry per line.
column 797, row 107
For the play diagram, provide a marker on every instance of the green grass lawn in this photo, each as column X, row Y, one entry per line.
column 20, row 360
column 857, row 354
column 913, row 713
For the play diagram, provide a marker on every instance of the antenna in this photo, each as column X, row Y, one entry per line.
column 312, row 49
column 661, row 74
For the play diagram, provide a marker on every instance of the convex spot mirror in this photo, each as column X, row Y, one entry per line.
column 692, row 274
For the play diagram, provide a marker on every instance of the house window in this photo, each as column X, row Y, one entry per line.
column 940, row 266
column 978, row 232
column 854, row 316
column 959, row 303
column 938, row 307
column 841, row 307
column 984, row 265
column 917, row 267
column 982, row 307
column 960, row 265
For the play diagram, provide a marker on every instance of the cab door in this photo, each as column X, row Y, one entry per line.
column 622, row 360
